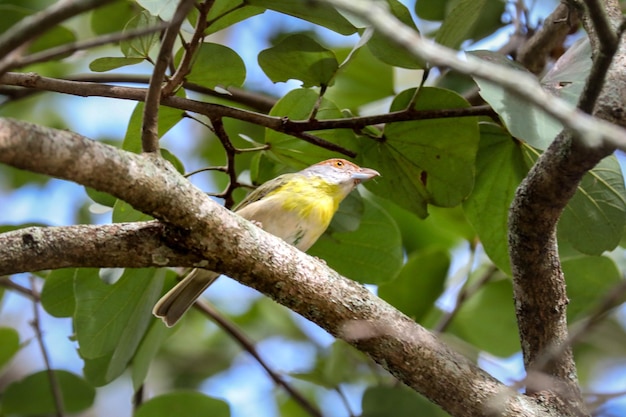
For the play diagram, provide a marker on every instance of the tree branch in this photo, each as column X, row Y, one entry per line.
column 122, row 245
column 150, row 124
column 236, row 247
column 31, row 26
column 595, row 132
column 533, row 53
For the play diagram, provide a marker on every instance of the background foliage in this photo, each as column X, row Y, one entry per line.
column 429, row 236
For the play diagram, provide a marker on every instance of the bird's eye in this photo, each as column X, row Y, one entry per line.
column 339, row 163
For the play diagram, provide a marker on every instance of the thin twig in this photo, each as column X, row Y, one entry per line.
column 211, row 110
column 190, row 48
column 592, row 132
column 34, row 25
column 55, row 388
column 69, row 48
column 344, row 400
column 464, row 294
column 249, row 347
column 7, row 283
column 231, row 151
column 150, row 126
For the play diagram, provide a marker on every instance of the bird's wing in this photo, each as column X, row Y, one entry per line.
column 263, row 190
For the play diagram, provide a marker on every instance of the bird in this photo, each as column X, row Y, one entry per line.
column 296, row 207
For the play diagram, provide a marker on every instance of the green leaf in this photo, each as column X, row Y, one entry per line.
column 225, row 13
column 111, row 63
column 141, row 46
column 57, row 295
column 362, row 80
column 594, row 219
column 459, row 22
column 431, row 10
column 164, row 9
column 320, row 13
column 147, row 351
column 111, row 17
column 426, row 161
column 299, row 57
column 188, row 404
column 172, row 159
column 168, row 118
column 112, row 319
column 10, row 14
column 589, row 280
column 9, row 344
column 336, row 365
column 56, row 36
column 419, row 284
column 527, row 122
column 389, row 52
column 500, row 168
column 487, row 319
column 371, row 254
column 101, row 197
column 215, row 65
column 399, row 401
column 294, row 152
column 19, row 397
column 124, row 213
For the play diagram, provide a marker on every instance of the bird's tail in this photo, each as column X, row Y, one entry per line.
column 171, row 307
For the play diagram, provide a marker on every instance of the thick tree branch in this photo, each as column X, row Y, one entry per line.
column 122, row 245
column 538, row 279
column 534, row 53
column 237, row 248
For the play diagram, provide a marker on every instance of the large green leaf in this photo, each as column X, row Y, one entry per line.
column 589, row 280
column 111, row 17
column 360, row 81
column 487, row 319
column 164, row 9
column 301, row 58
column 459, row 23
column 168, row 118
column 319, row 13
column 389, row 52
column 57, row 294
column 419, row 284
column 225, row 13
column 527, row 122
column 9, row 344
column 425, row 161
column 297, row 105
column 500, row 168
column 32, row 396
column 371, row 254
column 112, row 319
column 147, row 350
column 215, row 65
column 594, row 219
column 141, row 46
column 397, row 401
column 188, row 404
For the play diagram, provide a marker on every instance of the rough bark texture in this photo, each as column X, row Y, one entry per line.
column 234, row 246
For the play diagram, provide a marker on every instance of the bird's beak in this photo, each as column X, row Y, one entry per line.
column 365, row 174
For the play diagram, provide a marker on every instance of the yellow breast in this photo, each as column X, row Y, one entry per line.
column 298, row 211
